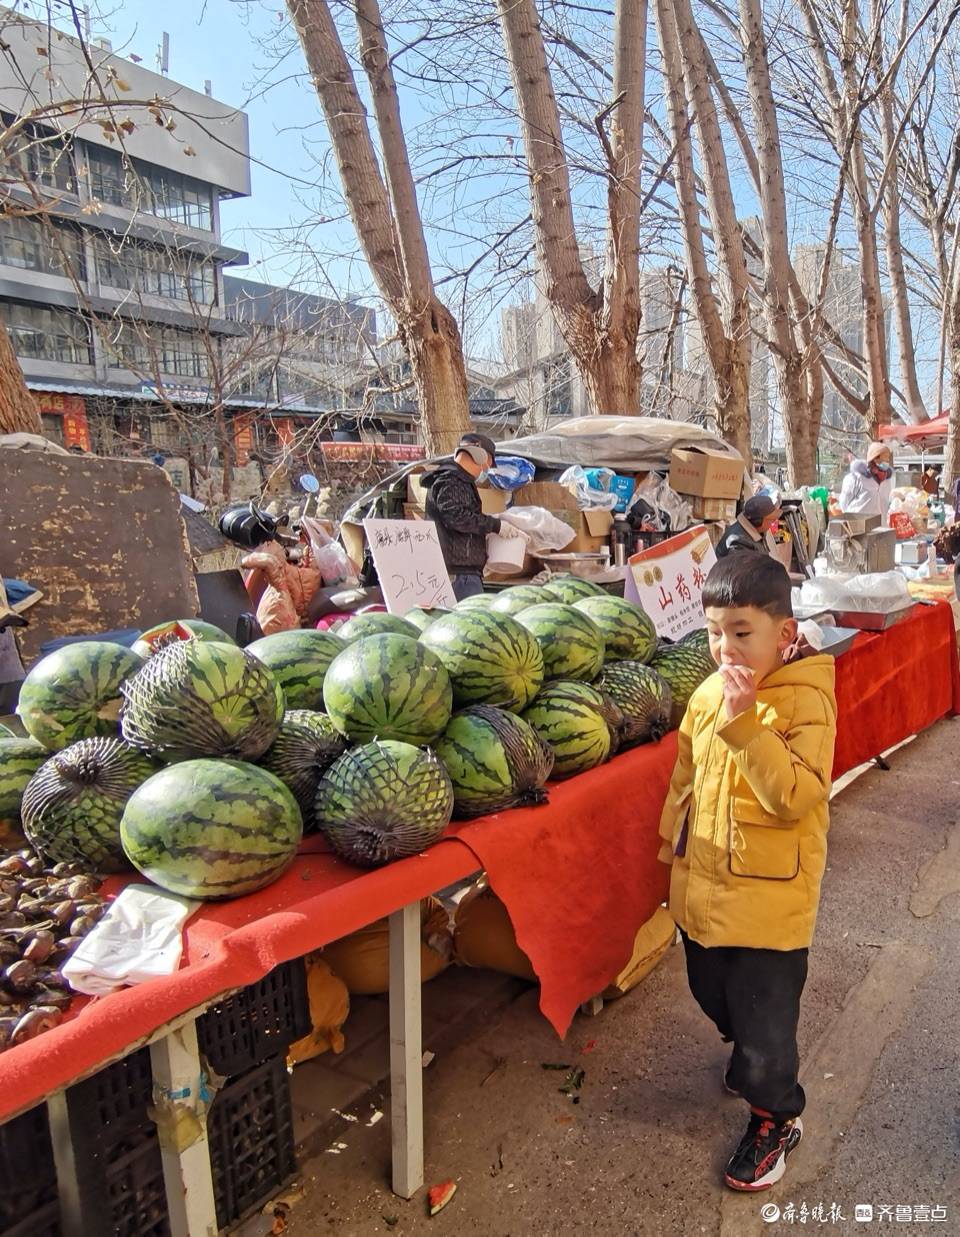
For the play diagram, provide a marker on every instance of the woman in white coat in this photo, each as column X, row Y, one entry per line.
column 867, row 486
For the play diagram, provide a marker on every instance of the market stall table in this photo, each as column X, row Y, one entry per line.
column 578, row 876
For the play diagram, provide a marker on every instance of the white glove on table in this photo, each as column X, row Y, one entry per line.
column 140, row 937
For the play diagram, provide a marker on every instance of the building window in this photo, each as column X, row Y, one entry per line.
column 150, row 348
column 35, row 245
column 52, row 427
column 155, row 190
column 156, row 271
column 34, row 155
column 47, row 334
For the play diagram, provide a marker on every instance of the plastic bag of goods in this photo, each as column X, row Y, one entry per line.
column 826, row 593
column 651, row 943
column 329, row 1006
column 879, row 593
column 362, row 959
column 587, row 485
column 483, row 936
column 544, row 532
column 510, row 472
column 673, row 512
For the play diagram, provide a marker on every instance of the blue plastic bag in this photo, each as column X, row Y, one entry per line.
column 510, row 472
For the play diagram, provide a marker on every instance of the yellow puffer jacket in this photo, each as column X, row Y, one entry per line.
column 746, row 818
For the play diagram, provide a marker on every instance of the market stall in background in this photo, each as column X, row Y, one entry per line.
column 216, row 837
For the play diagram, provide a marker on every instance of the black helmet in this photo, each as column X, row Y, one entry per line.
column 247, row 525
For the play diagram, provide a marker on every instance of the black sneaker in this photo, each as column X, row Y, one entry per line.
column 760, row 1160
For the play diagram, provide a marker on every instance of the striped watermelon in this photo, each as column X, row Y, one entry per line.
column 195, row 698
column 628, row 631
column 19, row 761
column 684, row 667
column 384, row 801
column 299, row 661
column 569, row 589
column 73, row 805
column 388, row 687
column 479, row 601
column 421, row 619
column 376, row 624
column 590, row 695
column 74, row 693
column 211, row 828
column 642, row 696
column 577, row 732
column 571, row 642
column 521, row 597
column 495, row 760
column 308, row 743
column 155, row 638
column 490, row 658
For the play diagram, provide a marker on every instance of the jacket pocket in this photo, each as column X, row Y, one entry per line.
column 678, row 842
column 761, row 845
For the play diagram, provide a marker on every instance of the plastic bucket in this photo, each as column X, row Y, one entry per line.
column 506, row 555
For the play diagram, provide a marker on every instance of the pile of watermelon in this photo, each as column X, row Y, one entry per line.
column 201, row 764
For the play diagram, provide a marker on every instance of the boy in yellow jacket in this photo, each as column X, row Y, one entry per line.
column 745, row 830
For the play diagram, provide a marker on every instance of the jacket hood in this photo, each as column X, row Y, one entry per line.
column 861, row 469
column 447, row 467
column 818, row 672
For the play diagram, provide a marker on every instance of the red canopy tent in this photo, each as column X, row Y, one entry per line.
column 935, row 428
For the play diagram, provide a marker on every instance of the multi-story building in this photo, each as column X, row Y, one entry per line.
column 111, row 257
column 843, row 309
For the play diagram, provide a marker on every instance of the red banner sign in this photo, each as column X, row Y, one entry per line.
column 73, row 409
column 399, row 452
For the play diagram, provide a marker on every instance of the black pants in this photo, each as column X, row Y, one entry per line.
column 753, row 995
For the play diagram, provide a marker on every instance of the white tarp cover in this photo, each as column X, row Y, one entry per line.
column 631, row 444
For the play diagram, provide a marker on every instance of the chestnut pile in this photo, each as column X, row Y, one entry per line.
column 44, row 915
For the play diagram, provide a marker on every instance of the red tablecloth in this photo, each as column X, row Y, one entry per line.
column 578, row 876
column 894, row 684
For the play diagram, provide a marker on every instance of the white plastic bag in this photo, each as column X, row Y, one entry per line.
column 880, row 592
column 588, row 496
column 329, row 556
column 139, row 938
column 673, row 512
column 541, row 527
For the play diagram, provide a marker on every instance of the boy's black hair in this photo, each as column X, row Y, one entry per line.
column 749, row 579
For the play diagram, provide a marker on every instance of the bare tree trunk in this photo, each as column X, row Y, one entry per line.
column 386, row 216
column 599, row 329
column 18, row 409
column 788, row 356
column 725, row 327
column 898, row 279
column 222, row 433
column 951, row 457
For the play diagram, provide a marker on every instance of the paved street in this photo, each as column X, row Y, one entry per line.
column 643, row 1149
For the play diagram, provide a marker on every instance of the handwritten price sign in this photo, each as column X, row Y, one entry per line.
column 410, row 564
column 668, row 580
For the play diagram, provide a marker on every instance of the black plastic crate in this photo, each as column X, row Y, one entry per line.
column 43, row 1222
column 28, row 1177
column 257, row 1023
column 250, row 1127
column 136, row 1198
column 114, row 1101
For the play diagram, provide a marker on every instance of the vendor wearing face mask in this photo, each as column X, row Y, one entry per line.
column 453, row 504
column 867, row 486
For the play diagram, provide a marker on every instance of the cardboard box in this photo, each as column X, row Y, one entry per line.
column 593, row 532
column 492, row 501
column 706, row 473
column 548, row 494
column 354, row 542
column 723, row 510
column 413, row 512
